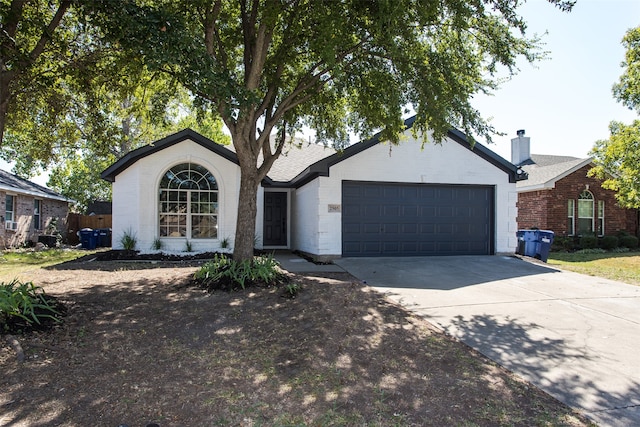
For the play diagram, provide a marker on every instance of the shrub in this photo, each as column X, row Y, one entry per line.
column 588, row 242
column 609, row 242
column 225, row 243
column 129, row 240
column 156, row 245
column 224, row 273
column 629, row 241
column 292, row 290
column 563, row 243
column 25, row 306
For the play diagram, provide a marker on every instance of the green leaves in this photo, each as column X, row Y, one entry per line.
column 339, row 66
column 225, row 273
column 618, row 163
column 618, row 158
column 627, row 90
column 35, row 48
column 23, row 302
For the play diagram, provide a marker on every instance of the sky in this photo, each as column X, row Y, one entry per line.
column 563, row 103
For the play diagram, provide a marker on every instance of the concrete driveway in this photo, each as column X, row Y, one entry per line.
column 577, row 337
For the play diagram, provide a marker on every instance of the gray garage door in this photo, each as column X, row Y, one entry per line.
column 388, row 219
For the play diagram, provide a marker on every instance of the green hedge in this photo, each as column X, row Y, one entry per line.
column 588, row 242
column 609, row 242
column 629, row 241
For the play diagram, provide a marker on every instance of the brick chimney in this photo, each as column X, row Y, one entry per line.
column 520, row 148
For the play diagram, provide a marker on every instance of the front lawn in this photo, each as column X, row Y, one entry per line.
column 140, row 344
column 15, row 262
column 624, row 267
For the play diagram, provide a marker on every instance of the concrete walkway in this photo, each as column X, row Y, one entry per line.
column 296, row 264
column 577, row 337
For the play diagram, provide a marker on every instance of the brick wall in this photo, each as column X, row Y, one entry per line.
column 23, row 215
column 547, row 209
column 532, row 210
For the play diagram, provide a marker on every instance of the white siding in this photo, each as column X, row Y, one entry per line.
column 305, row 205
column 446, row 163
column 135, row 197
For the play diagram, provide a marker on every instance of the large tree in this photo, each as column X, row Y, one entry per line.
column 617, row 159
column 76, row 172
column 272, row 66
column 71, row 100
column 37, row 43
column 119, row 106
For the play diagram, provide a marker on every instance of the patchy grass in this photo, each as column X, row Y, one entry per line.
column 624, row 267
column 16, row 262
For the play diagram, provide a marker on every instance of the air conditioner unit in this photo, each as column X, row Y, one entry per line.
column 10, row 225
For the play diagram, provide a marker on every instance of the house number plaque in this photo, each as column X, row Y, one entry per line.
column 335, row 208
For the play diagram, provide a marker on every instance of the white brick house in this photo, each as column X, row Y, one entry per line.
column 372, row 199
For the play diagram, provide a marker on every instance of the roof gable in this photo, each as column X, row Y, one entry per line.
column 321, row 167
column 132, row 157
column 11, row 182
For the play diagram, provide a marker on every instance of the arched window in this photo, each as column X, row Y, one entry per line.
column 585, row 212
column 188, row 203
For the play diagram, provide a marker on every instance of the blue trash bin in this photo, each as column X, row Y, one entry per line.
column 527, row 242
column 88, row 238
column 545, row 240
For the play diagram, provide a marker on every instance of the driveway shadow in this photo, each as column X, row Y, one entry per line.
column 442, row 273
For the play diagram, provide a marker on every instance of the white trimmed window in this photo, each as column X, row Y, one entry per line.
column 9, row 213
column 571, row 217
column 600, row 217
column 585, row 213
column 37, row 221
column 188, row 203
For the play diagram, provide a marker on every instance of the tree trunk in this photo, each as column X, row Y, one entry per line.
column 247, row 210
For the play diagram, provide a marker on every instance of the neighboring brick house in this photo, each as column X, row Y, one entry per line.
column 559, row 196
column 27, row 210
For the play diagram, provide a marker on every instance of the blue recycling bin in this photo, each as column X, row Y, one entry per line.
column 527, row 242
column 88, row 238
column 544, row 242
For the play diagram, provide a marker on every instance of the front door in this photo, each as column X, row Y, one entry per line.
column 275, row 219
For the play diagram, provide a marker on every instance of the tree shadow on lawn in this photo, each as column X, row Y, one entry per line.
column 553, row 364
column 143, row 345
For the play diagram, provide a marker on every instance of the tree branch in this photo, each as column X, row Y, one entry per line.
column 13, row 18
column 268, row 158
column 48, row 32
column 210, row 27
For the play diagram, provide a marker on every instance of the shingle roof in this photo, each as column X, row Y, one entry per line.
column 11, row 182
column 544, row 170
column 295, row 158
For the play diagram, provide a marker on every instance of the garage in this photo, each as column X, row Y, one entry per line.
column 399, row 219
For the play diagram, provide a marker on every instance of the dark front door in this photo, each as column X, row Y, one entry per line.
column 275, row 219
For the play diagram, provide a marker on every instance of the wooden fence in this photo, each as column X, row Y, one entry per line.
column 76, row 222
